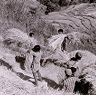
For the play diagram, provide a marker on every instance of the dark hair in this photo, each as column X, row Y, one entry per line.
column 36, row 48
column 19, row 44
column 60, row 31
column 46, row 12
column 31, row 34
column 82, row 87
column 73, row 69
column 78, row 56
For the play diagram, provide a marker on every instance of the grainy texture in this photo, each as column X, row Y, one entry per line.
column 20, row 17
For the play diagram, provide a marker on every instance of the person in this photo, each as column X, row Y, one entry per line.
column 73, row 60
column 32, row 63
column 56, row 40
column 72, row 68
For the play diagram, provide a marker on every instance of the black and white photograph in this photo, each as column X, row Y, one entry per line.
column 47, row 47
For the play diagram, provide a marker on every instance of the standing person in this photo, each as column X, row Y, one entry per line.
column 32, row 64
column 56, row 40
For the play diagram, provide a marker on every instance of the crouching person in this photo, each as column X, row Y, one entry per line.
column 32, row 63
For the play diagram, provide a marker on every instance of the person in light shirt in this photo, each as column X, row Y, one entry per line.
column 56, row 40
column 32, row 63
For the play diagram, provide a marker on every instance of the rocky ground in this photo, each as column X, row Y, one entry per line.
column 20, row 17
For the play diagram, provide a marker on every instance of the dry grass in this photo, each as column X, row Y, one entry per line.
column 24, row 16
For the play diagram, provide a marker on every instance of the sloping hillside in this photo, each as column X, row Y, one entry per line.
column 20, row 17
column 79, row 41
column 26, row 16
column 77, row 18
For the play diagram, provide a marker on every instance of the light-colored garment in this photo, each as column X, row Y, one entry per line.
column 56, row 41
column 36, row 61
column 29, row 61
column 60, row 56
